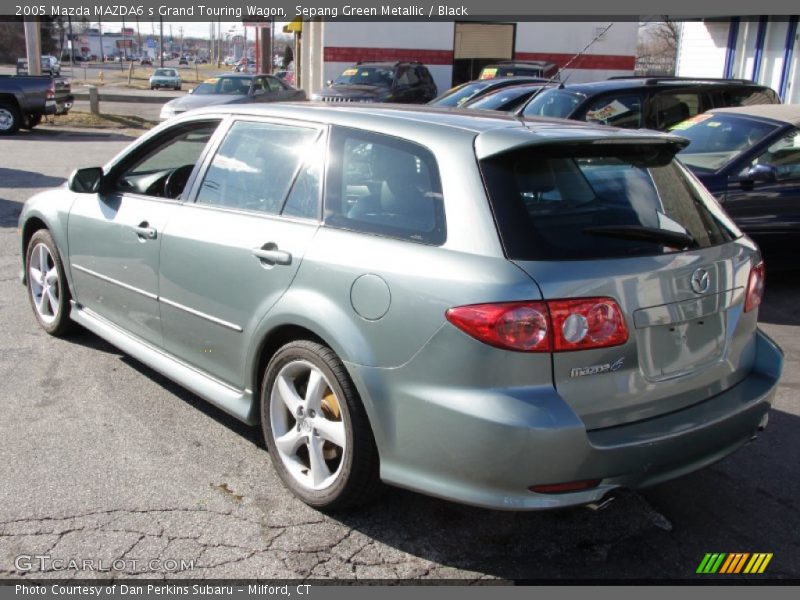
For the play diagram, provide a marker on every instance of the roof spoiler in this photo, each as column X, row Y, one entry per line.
column 497, row 142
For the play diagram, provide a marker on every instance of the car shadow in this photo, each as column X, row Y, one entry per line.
column 9, row 210
column 17, row 178
column 52, row 134
column 745, row 503
column 780, row 305
column 86, row 338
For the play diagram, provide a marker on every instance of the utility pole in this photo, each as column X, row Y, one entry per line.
column 71, row 45
column 138, row 38
column 33, row 45
column 100, row 34
column 161, row 40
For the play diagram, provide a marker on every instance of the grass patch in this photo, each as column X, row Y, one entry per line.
column 77, row 118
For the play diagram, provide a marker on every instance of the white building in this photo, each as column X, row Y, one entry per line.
column 455, row 51
column 763, row 49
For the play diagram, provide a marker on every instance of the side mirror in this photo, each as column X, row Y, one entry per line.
column 86, row 181
column 191, row 91
column 329, row 82
column 762, row 173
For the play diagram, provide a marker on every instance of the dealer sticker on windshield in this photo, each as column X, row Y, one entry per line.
column 691, row 122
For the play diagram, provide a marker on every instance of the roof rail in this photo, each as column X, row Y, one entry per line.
column 667, row 78
column 396, row 63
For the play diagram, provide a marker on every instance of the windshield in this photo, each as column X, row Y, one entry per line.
column 553, row 103
column 459, row 94
column 559, row 203
column 164, row 73
column 239, row 86
column 717, row 139
column 500, row 99
column 380, row 76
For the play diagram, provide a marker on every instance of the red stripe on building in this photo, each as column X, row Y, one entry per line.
column 353, row 55
column 611, row 62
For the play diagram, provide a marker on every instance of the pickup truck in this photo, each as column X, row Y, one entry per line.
column 24, row 100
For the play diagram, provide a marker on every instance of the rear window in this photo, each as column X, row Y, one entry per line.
column 561, row 204
column 553, row 103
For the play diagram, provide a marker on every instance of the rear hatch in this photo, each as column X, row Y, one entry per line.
column 616, row 219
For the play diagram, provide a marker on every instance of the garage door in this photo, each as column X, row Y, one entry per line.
column 484, row 40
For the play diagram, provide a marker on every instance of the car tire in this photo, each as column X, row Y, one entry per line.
column 152, row 87
column 178, row 88
column 48, row 291
column 31, row 121
column 10, row 118
column 315, row 427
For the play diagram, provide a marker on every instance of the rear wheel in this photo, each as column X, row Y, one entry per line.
column 47, row 285
column 31, row 121
column 316, row 430
column 10, row 118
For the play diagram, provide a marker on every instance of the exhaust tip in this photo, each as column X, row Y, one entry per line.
column 603, row 504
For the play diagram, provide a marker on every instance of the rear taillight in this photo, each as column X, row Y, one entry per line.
column 755, row 287
column 565, row 488
column 521, row 326
column 51, row 91
column 587, row 323
column 554, row 325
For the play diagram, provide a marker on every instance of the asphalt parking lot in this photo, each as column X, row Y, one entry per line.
column 104, row 459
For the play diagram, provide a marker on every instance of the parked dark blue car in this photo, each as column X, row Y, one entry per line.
column 749, row 158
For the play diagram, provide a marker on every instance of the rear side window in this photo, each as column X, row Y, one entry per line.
column 671, row 109
column 620, row 111
column 384, row 185
column 748, row 97
column 559, row 204
column 255, row 165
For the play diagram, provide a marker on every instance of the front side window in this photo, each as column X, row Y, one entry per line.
column 560, row 203
column 255, row 165
column 163, row 168
column 384, row 185
column 783, row 157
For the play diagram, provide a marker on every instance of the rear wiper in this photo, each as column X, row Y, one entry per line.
column 673, row 239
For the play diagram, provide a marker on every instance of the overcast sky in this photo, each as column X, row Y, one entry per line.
column 197, row 29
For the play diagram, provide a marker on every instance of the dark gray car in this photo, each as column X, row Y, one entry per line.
column 233, row 89
column 512, row 314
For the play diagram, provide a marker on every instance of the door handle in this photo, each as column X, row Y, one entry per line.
column 143, row 230
column 270, row 255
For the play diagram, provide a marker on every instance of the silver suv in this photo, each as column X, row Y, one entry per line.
column 516, row 315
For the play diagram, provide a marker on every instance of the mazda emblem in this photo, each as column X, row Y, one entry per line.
column 700, row 281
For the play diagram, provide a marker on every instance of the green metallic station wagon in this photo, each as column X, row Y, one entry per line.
column 515, row 314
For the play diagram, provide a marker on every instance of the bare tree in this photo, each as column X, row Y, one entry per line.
column 657, row 46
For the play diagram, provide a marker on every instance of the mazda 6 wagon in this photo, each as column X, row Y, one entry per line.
column 515, row 314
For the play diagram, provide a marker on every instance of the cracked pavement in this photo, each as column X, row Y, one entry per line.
column 104, row 459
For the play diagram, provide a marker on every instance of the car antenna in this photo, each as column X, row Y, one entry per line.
column 521, row 109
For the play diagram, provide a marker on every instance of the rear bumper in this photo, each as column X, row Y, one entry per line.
column 486, row 447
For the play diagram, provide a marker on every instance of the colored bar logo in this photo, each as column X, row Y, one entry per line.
column 734, row 563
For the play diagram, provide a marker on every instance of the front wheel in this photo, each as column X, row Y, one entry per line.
column 47, row 285
column 316, row 429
